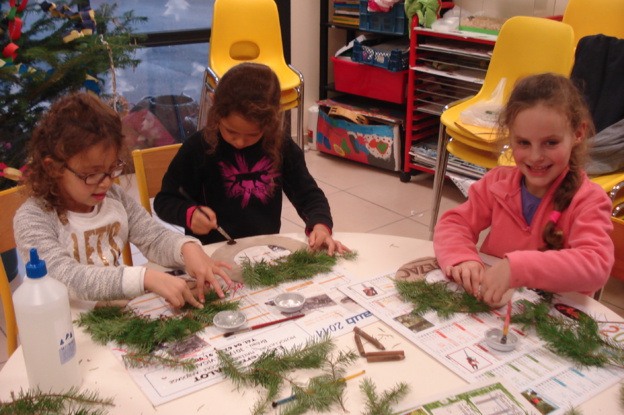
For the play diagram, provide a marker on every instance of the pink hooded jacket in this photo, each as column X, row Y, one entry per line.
column 495, row 201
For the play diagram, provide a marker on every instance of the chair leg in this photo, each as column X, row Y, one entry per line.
column 438, row 180
column 300, row 112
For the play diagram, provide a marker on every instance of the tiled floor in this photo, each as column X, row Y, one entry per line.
column 366, row 199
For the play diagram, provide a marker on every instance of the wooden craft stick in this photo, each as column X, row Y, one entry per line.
column 390, row 358
column 386, row 353
column 370, row 338
column 360, row 346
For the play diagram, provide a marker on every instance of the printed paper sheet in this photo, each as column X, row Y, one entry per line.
column 327, row 311
column 550, row 382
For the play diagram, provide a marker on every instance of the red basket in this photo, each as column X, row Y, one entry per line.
column 370, row 81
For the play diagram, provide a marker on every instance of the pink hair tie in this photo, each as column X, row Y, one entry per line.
column 554, row 216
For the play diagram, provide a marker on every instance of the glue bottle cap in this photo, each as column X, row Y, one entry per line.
column 35, row 268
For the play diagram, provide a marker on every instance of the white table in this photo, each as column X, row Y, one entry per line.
column 103, row 373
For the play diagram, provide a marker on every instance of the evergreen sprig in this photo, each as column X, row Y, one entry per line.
column 438, row 297
column 142, row 335
column 271, row 371
column 578, row 340
column 34, row 401
column 300, row 265
column 382, row 405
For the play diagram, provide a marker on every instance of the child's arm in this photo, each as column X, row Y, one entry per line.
column 320, row 237
column 200, row 266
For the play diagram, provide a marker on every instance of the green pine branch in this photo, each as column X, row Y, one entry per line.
column 35, row 401
column 300, row 265
column 438, row 297
column 382, row 405
column 142, row 335
column 271, row 371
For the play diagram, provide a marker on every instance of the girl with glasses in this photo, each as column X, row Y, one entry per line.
column 79, row 219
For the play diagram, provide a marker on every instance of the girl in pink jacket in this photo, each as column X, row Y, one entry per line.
column 548, row 222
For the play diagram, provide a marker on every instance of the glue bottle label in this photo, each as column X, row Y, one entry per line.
column 66, row 341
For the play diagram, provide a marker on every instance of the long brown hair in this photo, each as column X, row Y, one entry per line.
column 73, row 124
column 251, row 90
column 559, row 93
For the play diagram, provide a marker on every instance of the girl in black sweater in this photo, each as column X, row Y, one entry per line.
column 239, row 166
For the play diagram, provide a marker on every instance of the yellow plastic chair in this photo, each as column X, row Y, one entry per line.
column 10, row 200
column 617, row 236
column 150, row 166
column 595, row 17
column 525, row 46
column 249, row 31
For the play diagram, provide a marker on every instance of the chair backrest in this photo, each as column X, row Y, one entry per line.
column 10, row 200
column 150, row 166
column 526, row 46
column 595, row 17
column 249, row 31
column 618, row 240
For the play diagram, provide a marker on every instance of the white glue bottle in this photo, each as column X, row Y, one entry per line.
column 45, row 330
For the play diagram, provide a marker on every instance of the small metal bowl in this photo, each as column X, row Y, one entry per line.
column 289, row 302
column 493, row 339
column 229, row 320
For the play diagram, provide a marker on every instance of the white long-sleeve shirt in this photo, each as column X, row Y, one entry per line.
column 85, row 254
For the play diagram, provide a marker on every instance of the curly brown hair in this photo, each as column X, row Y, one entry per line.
column 559, row 93
column 73, row 124
column 251, row 90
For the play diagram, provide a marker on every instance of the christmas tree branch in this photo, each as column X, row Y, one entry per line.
column 269, row 371
column 382, row 405
column 436, row 296
column 70, row 402
column 300, row 265
column 141, row 335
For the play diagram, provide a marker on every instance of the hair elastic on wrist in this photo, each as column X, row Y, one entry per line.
column 554, row 216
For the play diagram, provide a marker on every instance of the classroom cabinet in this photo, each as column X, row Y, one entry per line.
column 444, row 67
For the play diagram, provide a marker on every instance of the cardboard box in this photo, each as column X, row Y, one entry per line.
column 378, row 144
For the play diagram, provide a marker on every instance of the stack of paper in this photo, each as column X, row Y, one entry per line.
column 347, row 12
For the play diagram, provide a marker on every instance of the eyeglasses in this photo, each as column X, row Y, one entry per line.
column 97, row 178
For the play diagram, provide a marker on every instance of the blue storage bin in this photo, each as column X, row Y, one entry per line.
column 394, row 60
column 393, row 22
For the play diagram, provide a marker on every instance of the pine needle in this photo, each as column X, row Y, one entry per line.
column 71, row 402
column 142, row 335
column 300, row 265
column 437, row 297
column 271, row 370
column 382, row 405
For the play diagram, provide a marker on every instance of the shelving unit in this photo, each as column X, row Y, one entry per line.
column 380, row 103
column 444, row 67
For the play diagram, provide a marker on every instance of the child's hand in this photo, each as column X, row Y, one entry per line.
column 203, row 221
column 468, row 274
column 173, row 289
column 496, row 282
column 320, row 237
column 200, row 266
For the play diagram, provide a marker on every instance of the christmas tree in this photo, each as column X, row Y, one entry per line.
column 48, row 50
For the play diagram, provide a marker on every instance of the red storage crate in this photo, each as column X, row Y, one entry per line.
column 370, row 81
